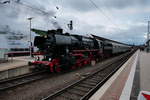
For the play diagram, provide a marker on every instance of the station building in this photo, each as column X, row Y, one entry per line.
column 3, row 48
column 148, row 46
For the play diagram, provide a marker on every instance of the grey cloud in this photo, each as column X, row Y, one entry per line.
column 135, row 34
column 120, row 4
column 78, row 5
column 13, row 13
column 86, row 5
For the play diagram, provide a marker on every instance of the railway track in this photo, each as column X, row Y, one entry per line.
column 86, row 87
column 9, row 83
column 21, row 80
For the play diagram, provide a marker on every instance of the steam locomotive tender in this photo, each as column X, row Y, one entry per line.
column 64, row 51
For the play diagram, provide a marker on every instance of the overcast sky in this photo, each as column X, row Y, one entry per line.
column 121, row 20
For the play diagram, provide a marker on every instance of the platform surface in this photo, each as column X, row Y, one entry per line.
column 15, row 62
column 128, row 81
column 145, row 71
column 142, row 76
column 119, row 86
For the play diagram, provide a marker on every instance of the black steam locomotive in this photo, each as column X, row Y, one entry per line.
column 63, row 51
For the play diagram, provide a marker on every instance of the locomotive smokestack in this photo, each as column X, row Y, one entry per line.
column 51, row 31
column 59, row 31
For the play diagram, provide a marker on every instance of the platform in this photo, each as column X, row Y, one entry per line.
column 15, row 66
column 128, row 81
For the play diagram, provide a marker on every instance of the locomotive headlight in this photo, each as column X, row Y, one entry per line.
column 45, row 36
column 49, row 59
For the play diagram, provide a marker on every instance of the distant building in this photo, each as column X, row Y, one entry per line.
column 16, row 42
column 3, row 47
column 148, row 46
column 11, row 41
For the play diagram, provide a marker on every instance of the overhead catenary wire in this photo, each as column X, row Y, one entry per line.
column 105, row 7
column 103, row 13
column 116, row 28
column 53, row 21
column 43, row 12
column 26, row 5
column 46, row 13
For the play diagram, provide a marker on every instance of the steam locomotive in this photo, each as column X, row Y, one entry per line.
column 65, row 51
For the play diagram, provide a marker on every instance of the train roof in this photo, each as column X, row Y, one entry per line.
column 104, row 39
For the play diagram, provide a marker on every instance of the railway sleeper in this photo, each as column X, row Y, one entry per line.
column 89, row 83
column 101, row 74
column 73, row 91
column 70, row 96
column 80, row 89
column 93, row 80
column 62, row 97
column 85, row 85
column 5, row 85
column 97, row 79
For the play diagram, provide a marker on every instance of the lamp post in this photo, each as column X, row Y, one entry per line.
column 30, row 37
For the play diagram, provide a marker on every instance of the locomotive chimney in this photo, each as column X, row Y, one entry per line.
column 51, row 31
column 59, row 31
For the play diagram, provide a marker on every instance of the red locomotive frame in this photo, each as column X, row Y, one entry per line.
column 55, row 65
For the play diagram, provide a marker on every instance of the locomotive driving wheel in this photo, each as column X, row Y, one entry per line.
column 57, row 69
